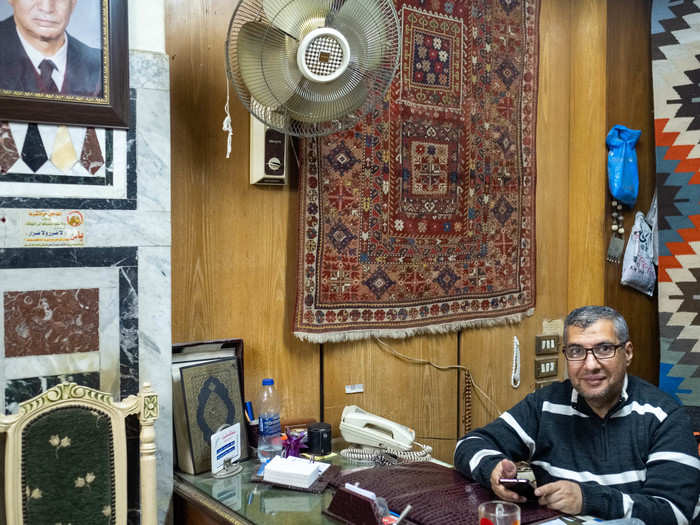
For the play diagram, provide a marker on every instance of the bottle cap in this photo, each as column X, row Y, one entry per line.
column 268, row 381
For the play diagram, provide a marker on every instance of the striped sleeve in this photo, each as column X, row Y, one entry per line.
column 511, row 436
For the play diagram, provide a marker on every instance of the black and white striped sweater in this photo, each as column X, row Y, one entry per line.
column 640, row 461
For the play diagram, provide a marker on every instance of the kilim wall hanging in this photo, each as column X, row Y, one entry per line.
column 675, row 37
column 422, row 217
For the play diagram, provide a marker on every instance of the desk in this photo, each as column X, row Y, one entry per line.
column 207, row 500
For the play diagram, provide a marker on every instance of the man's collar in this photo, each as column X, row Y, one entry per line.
column 624, row 396
column 59, row 59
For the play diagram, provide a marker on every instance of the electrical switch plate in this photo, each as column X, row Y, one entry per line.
column 546, row 344
column 546, row 367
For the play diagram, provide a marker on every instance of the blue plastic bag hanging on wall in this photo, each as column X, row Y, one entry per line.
column 623, row 172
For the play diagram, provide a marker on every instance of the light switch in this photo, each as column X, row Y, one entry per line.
column 546, row 367
column 546, row 344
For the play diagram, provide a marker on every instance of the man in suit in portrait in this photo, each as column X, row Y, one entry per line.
column 37, row 55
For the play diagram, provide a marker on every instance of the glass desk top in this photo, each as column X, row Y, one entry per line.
column 261, row 503
column 242, row 501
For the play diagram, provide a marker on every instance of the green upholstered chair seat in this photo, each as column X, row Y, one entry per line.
column 65, row 460
column 68, row 468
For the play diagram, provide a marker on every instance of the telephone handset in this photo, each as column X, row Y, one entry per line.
column 361, row 427
column 364, row 428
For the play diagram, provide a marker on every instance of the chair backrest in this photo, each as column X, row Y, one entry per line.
column 66, row 461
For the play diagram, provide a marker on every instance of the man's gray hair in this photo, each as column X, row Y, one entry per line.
column 585, row 316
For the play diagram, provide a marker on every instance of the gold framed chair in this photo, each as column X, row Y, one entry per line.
column 66, row 461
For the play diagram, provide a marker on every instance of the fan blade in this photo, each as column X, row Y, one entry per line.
column 364, row 24
column 326, row 102
column 297, row 18
column 267, row 62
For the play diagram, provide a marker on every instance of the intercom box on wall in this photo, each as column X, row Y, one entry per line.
column 270, row 155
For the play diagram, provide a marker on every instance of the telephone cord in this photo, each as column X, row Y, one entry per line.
column 467, row 413
column 389, row 456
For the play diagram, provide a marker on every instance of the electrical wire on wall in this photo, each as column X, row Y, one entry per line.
column 469, row 382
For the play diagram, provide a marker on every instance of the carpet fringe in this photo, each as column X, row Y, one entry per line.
column 443, row 328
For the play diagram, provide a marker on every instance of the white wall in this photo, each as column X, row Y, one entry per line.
column 147, row 25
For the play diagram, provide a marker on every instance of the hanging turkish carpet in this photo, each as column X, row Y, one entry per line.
column 422, row 217
column 675, row 39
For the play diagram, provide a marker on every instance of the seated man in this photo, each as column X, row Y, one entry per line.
column 602, row 442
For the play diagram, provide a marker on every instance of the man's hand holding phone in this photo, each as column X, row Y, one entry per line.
column 506, row 470
column 523, row 487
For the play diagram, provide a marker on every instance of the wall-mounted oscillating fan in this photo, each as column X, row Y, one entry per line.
column 312, row 67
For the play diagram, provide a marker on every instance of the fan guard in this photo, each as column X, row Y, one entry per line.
column 312, row 67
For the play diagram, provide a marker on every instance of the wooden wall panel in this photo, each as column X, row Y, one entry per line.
column 587, row 187
column 630, row 103
column 418, row 396
column 234, row 244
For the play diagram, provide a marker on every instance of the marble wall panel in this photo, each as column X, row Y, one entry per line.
column 88, row 150
column 18, row 390
column 113, row 272
column 124, row 262
column 111, row 186
column 44, row 322
column 149, row 75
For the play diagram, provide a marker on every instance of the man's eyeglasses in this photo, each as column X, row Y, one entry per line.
column 600, row 351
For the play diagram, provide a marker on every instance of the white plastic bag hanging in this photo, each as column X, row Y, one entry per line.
column 652, row 220
column 638, row 270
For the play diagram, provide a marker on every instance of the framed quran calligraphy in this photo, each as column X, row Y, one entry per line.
column 207, row 393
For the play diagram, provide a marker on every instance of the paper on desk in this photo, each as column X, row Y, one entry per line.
column 297, row 472
column 294, row 465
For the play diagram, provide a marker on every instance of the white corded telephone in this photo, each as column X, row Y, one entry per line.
column 361, row 427
column 369, row 430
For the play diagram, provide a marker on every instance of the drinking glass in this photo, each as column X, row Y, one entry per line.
column 499, row 513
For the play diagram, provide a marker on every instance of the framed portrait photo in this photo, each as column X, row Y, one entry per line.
column 64, row 62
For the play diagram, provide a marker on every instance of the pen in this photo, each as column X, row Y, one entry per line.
column 249, row 410
column 405, row 511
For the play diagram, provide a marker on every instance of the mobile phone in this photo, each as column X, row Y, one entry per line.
column 523, row 487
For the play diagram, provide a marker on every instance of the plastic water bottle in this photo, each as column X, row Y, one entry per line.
column 269, row 430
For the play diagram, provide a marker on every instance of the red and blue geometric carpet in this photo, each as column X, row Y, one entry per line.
column 675, row 36
column 422, row 217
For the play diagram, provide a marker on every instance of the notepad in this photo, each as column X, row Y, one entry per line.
column 292, row 471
